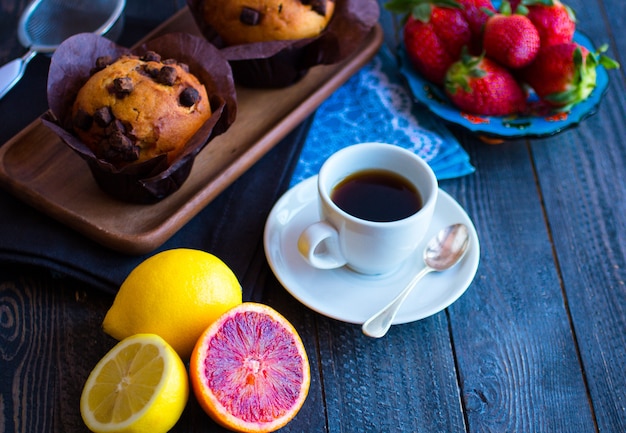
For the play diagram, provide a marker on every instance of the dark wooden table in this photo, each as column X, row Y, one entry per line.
column 536, row 344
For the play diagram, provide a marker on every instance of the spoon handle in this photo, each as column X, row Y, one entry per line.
column 378, row 325
column 11, row 72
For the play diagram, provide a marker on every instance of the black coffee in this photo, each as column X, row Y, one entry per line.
column 377, row 195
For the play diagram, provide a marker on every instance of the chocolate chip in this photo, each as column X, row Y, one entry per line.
column 120, row 147
column 318, row 6
column 167, row 76
column 249, row 16
column 188, row 97
column 170, row 61
column 151, row 56
column 114, row 127
column 117, row 140
column 103, row 116
column 101, row 63
column 82, row 120
column 122, row 87
column 184, row 66
column 151, row 71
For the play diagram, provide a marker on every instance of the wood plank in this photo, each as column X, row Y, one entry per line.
column 583, row 183
column 614, row 18
column 517, row 366
column 51, row 340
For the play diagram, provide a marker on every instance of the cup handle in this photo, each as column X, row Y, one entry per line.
column 319, row 245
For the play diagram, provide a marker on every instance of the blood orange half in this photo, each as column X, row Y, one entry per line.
column 249, row 369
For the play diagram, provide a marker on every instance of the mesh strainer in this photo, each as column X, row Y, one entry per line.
column 46, row 23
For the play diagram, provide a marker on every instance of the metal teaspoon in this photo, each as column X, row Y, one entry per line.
column 442, row 252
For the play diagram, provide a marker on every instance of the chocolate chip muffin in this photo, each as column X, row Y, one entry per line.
column 136, row 108
column 247, row 21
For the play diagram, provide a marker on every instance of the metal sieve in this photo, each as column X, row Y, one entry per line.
column 44, row 24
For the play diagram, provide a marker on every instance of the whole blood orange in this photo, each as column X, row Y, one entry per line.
column 249, row 369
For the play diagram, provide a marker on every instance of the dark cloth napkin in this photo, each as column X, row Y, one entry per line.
column 231, row 226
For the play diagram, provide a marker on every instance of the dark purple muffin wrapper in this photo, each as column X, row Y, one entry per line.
column 282, row 63
column 152, row 180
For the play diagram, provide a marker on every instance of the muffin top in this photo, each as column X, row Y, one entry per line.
column 247, row 21
column 136, row 108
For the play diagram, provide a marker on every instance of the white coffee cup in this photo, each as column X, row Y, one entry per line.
column 366, row 246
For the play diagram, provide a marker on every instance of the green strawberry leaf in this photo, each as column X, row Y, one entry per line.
column 505, row 8
column 422, row 12
column 565, row 97
column 563, row 100
column 569, row 10
column 603, row 59
column 578, row 58
column 537, row 2
column 416, row 7
column 521, row 10
column 400, row 6
column 477, row 73
column 448, row 3
column 582, row 82
column 487, row 11
column 464, row 71
column 608, row 62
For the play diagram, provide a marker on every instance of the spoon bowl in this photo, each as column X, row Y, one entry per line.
column 442, row 252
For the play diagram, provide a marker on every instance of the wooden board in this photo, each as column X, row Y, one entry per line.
column 42, row 171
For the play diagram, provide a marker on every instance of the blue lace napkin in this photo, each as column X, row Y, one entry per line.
column 375, row 105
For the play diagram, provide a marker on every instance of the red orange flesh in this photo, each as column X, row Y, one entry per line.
column 249, row 369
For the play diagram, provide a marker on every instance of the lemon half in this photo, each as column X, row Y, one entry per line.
column 140, row 385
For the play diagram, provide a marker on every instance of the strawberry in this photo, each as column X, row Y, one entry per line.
column 554, row 20
column 478, row 85
column 565, row 74
column 476, row 12
column 434, row 34
column 510, row 39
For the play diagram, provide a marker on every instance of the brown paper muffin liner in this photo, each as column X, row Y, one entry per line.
column 282, row 63
column 152, row 180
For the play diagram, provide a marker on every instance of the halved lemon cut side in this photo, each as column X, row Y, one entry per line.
column 140, row 385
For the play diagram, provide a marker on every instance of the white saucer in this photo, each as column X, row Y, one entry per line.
column 351, row 297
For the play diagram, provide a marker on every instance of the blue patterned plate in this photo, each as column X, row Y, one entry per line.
column 505, row 127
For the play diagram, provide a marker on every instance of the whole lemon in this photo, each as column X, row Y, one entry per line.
column 175, row 294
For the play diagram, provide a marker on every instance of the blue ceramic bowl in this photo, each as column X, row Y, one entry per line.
column 505, row 127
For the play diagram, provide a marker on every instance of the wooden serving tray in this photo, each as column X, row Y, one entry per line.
column 37, row 167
